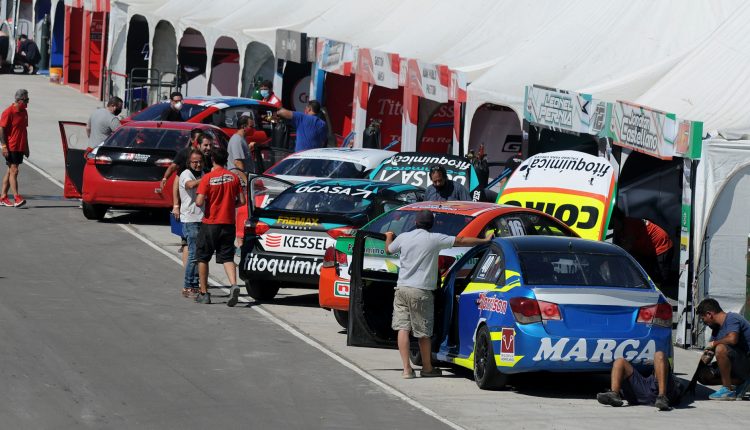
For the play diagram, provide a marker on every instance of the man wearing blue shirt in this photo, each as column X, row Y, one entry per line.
column 312, row 132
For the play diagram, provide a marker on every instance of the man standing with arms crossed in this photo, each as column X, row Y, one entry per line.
column 414, row 303
column 14, row 142
column 219, row 192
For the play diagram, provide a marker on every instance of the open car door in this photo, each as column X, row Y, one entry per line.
column 261, row 190
column 74, row 145
column 371, row 297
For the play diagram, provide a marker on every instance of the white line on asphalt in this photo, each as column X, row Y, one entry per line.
column 286, row 326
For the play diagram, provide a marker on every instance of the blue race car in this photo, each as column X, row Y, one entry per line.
column 526, row 304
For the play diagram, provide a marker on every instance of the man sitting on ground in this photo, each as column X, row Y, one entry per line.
column 660, row 389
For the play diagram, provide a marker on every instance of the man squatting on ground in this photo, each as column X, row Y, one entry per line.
column 14, row 142
column 219, row 192
column 414, row 303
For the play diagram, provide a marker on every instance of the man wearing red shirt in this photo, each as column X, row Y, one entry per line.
column 648, row 243
column 14, row 143
column 266, row 92
column 219, row 192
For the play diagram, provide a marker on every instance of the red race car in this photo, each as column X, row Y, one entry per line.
column 465, row 219
column 126, row 169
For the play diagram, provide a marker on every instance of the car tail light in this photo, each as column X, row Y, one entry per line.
column 342, row 231
column 660, row 315
column 261, row 228
column 444, row 263
column 102, row 159
column 163, row 162
column 549, row 311
column 333, row 257
column 525, row 310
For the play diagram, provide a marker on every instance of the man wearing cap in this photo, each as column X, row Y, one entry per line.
column 413, row 303
column 14, row 142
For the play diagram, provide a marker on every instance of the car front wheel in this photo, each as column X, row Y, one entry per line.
column 95, row 212
column 486, row 374
column 261, row 293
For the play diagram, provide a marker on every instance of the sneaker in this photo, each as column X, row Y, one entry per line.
column 5, row 201
column 724, row 393
column 742, row 389
column 662, row 403
column 609, row 398
column 204, row 299
column 429, row 374
column 194, row 293
column 19, row 201
column 234, row 296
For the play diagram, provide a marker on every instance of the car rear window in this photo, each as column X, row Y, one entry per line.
column 399, row 221
column 153, row 112
column 135, row 137
column 320, row 198
column 318, row 168
column 581, row 269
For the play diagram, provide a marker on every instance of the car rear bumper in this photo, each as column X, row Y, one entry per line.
column 333, row 290
column 99, row 190
column 297, row 270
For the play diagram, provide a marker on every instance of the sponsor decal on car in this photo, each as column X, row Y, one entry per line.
column 283, row 265
column 296, row 221
column 139, row 158
column 606, row 350
column 295, row 242
column 341, row 289
column 508, row 345
column 347, row 191
column 492, row 304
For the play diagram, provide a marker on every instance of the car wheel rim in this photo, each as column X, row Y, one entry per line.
column 481, row 357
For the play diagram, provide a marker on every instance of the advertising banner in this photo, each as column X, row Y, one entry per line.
column 378, row 67
column 689, row 141
column 291, row 46
column 413, row 168
column 574, row 187
column 335, row 57
column 644, row 130
column 564, row 110
column 428, row 80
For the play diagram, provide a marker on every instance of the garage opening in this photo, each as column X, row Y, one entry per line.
column 164, row 61
column 498, row 129
column 137, row 48
column 386, row 105
column 42, row 18
column 192, row 59
column 72, row 74
column 225, row 68
column 338, row 95
column 259, row 65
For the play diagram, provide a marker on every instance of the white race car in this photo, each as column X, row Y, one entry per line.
column 349, row 163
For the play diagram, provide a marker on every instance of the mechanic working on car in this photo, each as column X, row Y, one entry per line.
column 312, row 132
column 266, row 91
column 179, row 164
column 648, row 243
column 219, row 193
column 191, row 216
column 730, row 344
column 414, row 303
column 240, row 157
column 175, row 105
column 660, row 389
column 14, row 142
column 443, row 189
column 103, row 122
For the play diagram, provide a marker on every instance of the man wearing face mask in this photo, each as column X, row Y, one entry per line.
column 14, row 142
column 175, row 105
column 266, row 92
column 103, row 122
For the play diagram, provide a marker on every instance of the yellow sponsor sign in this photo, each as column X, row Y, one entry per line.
column 298, row 221
column 585, row 214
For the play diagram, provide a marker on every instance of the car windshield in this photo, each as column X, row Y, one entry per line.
column 582, row 269
column 399, row 221
column 320, row 198
column 154, row 112
column 319, row 168
column 152, row 138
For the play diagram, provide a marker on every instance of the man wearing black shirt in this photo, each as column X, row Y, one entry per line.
column 175, row 105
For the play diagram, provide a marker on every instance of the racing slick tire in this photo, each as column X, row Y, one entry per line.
column 94, row 212
column 261, row 293
column 486, row 374
column 342, row 317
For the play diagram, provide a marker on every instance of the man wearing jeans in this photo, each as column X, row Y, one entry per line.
column 191, row 216
column 413, row 304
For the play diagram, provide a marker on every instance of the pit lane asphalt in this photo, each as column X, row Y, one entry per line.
column 554, row 401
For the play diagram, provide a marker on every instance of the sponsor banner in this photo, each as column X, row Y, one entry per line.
column 413, row 168
column 291, row 46
column 581, row 195
column 279, row 265
column 341, row 289
column 458, row 86
column 296, row 221
column 335, row 57
column 296, row 243
column 378, row 67
column 595, row 350
column 644, row 130
column 564, row 110
column 508, row 345
column 428, row 80
column 492, row 304
column 689, row 140
column 360, row 193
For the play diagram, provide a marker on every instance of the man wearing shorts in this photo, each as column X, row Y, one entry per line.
column 414, row 304
column 730, row 343
column 660, row 388
column 14, row 142
column 219, row 192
